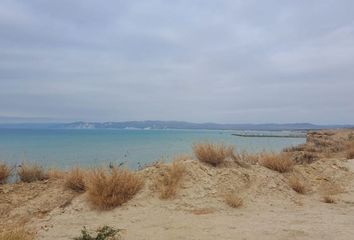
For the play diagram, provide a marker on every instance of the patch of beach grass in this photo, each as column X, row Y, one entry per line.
column 350, row 151
column 278, row 162
column 233, row 200
column 297, row 185
column 111, row 188
column 103, row 233
column 5, row 173
column 169, row 180
column 213, row 154
column 31, row 172
column 54, row 173
column 75, row 180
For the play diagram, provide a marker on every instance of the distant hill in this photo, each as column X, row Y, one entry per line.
column 188, row 125
column 171, row 125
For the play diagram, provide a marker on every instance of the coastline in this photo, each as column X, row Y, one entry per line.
column 271, row 208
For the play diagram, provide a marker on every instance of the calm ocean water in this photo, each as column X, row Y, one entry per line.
column 66, row 148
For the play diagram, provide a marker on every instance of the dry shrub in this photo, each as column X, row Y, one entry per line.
column 277, row 162
column 75, row 180
column 16, row 233
column 350, row 151
column 302, row 157
column 233, row 200
column 168, row 183
column 30, row 173
column 351, row 136
column 329, row 199
column 5, row 172
column 297, row 185
column 210, row 153
column 55, row 174
column 109, row 189
column 350, row 154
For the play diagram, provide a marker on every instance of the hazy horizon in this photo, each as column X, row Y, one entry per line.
column 16, row 120
column 195, row 61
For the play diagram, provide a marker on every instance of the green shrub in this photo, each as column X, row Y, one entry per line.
column 103, row 233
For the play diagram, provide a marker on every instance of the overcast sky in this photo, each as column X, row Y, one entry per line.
column 202, row 61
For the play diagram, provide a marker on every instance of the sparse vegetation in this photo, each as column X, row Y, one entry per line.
column 5, row 172
column 304, row 157
column 16, row 233
column 329, row 199
column 233, row 200
column 277, row 162
column 109, row 189
column 55, row 174
column 350, row 151
column 351, row 136
column 168, row 183
column 30, row 173
column 103, row 233
column 297, row 185
column 75, row 180
column 213, row 154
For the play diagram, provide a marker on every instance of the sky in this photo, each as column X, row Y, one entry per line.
column 225, row 61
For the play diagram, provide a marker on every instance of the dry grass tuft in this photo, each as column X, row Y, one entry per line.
column 30, row 173
column 170, row 180
column 233, row 200
column 5, row 172
column 109, row 189
column 75, row 180
column 350, row 151
column 55, row 174
column 329, row 199
column 277, row 162
column 213, row 154
column 16, row 234
column 297, row 185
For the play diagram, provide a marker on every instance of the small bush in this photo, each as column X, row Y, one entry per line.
column 350, row 151
column 16, row 234
column 30, row 173
column 329, row 199
column 351, row 136
column 5, row 172
column 55, row 174
column 233, row 200
column 107, row 190
column 277, row 162
column 213, row 154
column 103, row 233
column 297, row 185
column 75, row 180
column 170, row 179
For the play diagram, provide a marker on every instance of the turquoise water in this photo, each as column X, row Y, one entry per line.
column 66, row 148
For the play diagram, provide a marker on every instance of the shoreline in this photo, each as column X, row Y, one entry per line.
column 198, row 209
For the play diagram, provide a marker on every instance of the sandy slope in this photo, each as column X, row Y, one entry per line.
column 271, row 211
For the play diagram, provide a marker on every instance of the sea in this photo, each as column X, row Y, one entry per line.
column 65, row 148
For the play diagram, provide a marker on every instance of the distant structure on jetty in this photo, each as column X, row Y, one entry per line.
column 278, row 135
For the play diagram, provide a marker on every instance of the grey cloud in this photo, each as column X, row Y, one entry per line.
column 224, row 61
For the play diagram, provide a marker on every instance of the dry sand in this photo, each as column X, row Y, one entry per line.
column 271, row 210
